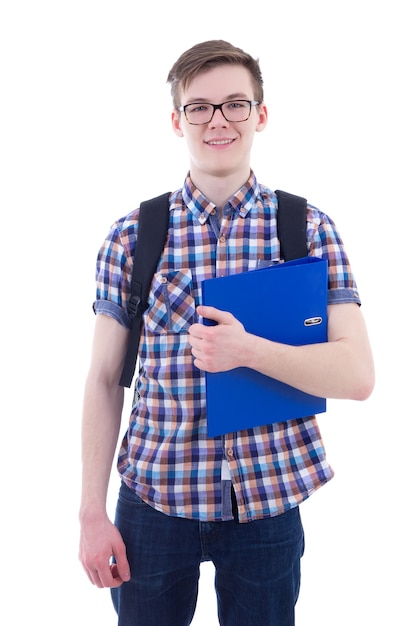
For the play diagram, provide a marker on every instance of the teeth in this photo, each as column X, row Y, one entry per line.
column 220, row 143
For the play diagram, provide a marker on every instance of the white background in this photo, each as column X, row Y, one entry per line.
column 85, row 136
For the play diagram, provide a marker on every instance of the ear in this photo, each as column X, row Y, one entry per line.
column 262, row 117
column 176, row 123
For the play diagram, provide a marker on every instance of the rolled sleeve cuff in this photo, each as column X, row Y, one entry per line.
column 343, row 296
column 105, row 307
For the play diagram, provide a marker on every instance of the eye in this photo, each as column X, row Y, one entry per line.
column 236, row 104
column 197, row 108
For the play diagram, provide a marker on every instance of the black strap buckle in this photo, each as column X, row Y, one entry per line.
column 135, row 307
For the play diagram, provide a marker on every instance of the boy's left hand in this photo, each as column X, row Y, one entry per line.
column 217, row 348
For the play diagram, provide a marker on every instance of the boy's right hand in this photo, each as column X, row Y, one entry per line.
column 103, row 553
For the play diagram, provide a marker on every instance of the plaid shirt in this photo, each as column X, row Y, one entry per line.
column 166, row 456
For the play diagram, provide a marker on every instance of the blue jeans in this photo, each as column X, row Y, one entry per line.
column 257, row 567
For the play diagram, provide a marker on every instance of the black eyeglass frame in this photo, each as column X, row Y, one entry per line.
column 183, row 109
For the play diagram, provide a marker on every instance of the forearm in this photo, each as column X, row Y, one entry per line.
column 100, row 430
column 331, row 370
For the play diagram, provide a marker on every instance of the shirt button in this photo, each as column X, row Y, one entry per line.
column 230, row 453
column 164, row 279
column 222, row 238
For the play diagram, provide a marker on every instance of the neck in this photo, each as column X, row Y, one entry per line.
column 218, row 189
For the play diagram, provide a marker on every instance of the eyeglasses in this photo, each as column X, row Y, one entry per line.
column 232, row 111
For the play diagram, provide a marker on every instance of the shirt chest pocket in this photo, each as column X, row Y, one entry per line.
column 172, row 307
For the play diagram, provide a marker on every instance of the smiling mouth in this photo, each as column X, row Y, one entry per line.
column 220, row 142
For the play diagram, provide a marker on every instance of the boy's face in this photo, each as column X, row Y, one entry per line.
column 220, row 148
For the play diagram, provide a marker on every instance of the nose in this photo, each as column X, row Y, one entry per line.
column 218, row 119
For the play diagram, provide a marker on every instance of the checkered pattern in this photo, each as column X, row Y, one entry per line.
column 166, row 456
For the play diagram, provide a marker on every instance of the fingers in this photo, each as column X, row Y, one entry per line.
column 220, row 318
column 103, row 576
column 108, row 574
column 216, row 348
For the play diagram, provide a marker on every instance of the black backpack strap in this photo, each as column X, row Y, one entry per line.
column 292, row 225
column 152, row 234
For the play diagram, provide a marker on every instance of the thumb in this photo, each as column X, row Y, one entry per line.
column 120, row 567
column 216, row 315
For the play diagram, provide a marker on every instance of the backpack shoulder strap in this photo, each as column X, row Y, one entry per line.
column 292, row 225
column 152, row 233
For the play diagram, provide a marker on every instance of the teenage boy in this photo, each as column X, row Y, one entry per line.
column 184, row 497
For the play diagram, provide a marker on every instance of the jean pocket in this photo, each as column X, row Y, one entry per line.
column 172, row 306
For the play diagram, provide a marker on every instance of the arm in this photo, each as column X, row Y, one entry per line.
column 340, row 368
column 103, row 403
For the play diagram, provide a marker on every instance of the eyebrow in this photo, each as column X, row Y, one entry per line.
column 233, row 96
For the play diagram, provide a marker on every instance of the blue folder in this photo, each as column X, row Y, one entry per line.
column 284, row 302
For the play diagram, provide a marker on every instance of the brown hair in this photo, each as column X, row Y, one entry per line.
column 206, row 55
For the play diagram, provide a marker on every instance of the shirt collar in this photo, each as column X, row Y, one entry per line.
column 240, row 203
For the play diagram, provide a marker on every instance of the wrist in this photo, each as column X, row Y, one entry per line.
column 92, row 509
